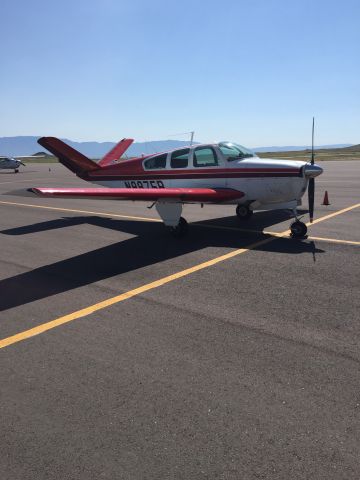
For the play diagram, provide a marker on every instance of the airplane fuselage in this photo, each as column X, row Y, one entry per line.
column 266, row 182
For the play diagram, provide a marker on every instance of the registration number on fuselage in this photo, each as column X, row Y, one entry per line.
column 144, row 184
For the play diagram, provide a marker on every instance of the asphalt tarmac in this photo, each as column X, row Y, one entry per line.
column 127, row 354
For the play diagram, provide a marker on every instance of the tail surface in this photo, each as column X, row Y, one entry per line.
column 68, row 156
column 116, row 152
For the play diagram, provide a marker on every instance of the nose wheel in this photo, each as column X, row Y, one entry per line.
column 243, row 212
column 298, row 229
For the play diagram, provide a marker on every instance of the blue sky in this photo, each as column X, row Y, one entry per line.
column 250, row 71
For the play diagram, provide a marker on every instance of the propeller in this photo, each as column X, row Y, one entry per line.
column 311, row 186
column 22, row 163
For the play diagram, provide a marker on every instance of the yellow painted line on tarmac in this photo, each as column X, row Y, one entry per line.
column 320, row 239
column 149, row 286
column 72, row 210
column 334, row 240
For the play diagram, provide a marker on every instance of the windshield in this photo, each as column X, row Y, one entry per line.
column 234, row 151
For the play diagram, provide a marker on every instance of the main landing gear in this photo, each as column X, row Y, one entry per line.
column 170, row 214
column 180, row 230
column 243, row 212
column 16, row 170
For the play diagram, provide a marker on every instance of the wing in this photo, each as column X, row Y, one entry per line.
column 201, row 195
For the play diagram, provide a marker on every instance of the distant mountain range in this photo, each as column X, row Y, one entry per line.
column 27, row 145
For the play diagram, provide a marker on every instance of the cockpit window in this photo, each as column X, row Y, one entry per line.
column 180, row 158
column 205, row 157
column 234, row 151
column 153, row 163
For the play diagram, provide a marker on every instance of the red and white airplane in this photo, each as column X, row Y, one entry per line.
column 220, row 173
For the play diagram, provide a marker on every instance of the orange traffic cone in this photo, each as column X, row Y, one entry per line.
column 326, row 199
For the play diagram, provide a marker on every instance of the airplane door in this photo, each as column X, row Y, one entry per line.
column 208, row 166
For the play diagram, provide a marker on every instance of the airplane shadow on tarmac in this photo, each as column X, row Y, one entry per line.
column 151, row 245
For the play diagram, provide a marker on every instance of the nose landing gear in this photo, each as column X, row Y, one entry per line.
column 298, row 229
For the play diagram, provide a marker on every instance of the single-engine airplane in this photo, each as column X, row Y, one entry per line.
column 219, row 173
column 11, row 163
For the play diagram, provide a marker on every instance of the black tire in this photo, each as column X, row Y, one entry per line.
column 298, row 229
column 243, row 212
column 180, row 230
column 16, row 170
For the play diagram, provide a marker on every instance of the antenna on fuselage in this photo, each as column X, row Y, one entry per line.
column 185, row 133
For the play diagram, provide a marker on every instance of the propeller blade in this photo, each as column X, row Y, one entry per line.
column 23, row 164
column 312, row 144
column 311, row 195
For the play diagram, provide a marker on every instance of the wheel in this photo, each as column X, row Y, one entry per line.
column 298, row 229
column 16, row 170
column 243, row 212
column 180, row 230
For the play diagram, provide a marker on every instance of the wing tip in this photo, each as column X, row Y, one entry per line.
column 35, row 190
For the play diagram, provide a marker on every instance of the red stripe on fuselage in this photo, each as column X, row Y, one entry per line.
column 187, row 176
